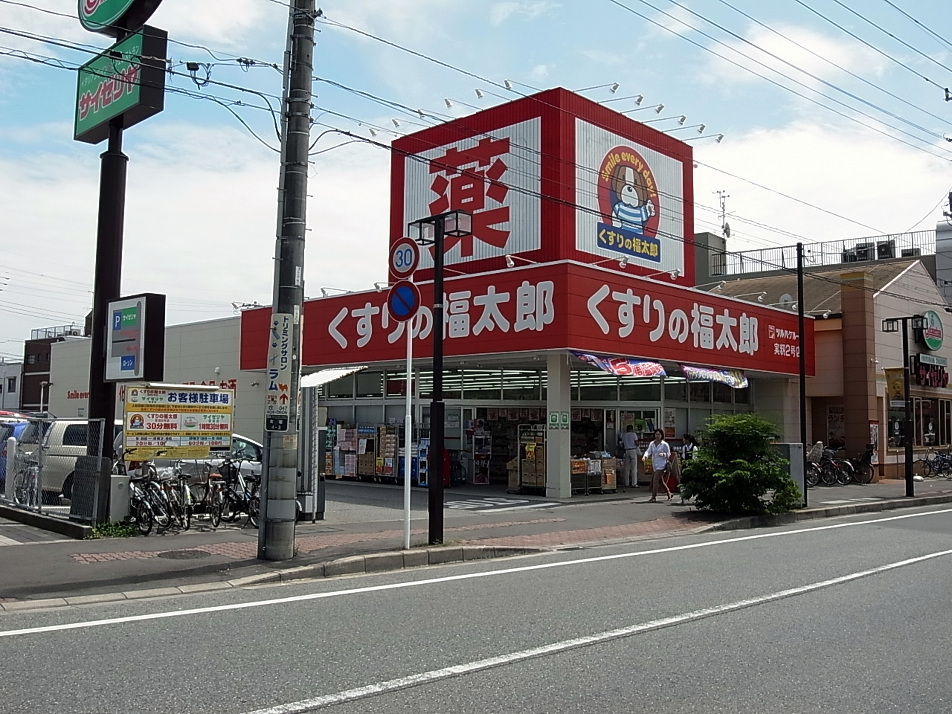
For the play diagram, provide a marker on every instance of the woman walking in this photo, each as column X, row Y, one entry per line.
column 658, row 454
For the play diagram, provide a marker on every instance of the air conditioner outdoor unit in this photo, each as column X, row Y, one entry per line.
column 849, row 255
column 911, row 252
column 865, row 251
column 885, row 249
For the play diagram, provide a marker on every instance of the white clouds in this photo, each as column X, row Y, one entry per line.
column 800, row 49
column 857, row 174
column 222, row 24
column 539, row 73
column 677, row 20
column 529, row 10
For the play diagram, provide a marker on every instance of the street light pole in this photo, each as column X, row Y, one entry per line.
column 907, row 430
column 802, row 361
column 437, row 406
column 452, row 223
column 891, row 324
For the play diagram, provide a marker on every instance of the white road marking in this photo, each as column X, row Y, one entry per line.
column 434, row 675
column 8, row 541
column 496, row 505
column 453, row 578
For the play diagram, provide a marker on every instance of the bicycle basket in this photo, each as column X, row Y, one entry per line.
column 815, row 451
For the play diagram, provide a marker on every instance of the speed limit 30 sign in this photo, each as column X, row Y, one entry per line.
column 404, row 257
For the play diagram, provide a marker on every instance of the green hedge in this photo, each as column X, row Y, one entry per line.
column 737, row 470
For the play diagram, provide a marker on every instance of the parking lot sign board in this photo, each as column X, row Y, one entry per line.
column 176, row 421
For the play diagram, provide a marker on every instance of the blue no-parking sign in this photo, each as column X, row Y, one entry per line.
column 403, row 300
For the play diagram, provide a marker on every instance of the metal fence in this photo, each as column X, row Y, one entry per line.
column 854, row 250
column 51, row 468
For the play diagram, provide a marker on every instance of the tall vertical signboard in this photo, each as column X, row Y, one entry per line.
column 117, row 89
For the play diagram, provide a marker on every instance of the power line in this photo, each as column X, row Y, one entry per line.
column 928, row 29
column 774, row 82
column 842, row 68
column 871, row 46
column 889, row 34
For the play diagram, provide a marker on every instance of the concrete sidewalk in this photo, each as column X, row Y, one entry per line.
column 61, row 572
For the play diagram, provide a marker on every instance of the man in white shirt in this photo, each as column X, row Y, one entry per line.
column 629, row 441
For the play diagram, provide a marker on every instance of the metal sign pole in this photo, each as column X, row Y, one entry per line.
column 408, row 437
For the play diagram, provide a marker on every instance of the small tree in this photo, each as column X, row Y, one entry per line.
column 737, row 470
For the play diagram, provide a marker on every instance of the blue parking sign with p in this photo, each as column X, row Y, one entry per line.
column 117, row 319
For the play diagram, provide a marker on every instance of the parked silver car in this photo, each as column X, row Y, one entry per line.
column 248, row 451
column 63, row 442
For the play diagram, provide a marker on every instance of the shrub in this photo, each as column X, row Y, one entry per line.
column 112, row 530
column 737, row 470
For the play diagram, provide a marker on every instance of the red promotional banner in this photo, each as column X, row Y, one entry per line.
column 562, row 305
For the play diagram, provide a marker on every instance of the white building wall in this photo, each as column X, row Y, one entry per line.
column 10, row 399
column 910, row 293
column 197, row 353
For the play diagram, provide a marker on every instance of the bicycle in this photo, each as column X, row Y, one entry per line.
column 25, row 485
column 240, row 493
column 210, row 498
column 933, row 464
column 863, row 471
column 178, row 497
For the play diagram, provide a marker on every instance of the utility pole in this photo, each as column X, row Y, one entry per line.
column 282, row 405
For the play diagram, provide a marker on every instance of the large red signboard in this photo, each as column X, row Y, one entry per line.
column 561, row 305
column 548, row 177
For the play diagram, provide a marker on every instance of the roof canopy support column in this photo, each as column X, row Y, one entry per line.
column 558, row 451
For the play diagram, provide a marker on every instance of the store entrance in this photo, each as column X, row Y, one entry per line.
column 491, row 441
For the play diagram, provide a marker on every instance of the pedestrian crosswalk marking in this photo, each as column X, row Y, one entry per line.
column 492, row 504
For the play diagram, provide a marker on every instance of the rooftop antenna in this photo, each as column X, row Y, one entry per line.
column 725, row 226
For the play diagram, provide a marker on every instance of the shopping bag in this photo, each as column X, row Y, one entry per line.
column 674, row 467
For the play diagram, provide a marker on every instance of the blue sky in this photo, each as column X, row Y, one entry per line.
column 826, row 135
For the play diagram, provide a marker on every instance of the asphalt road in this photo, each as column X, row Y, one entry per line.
column 845, row 615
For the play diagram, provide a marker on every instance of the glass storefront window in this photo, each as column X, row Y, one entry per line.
column 482, row 384
column 599, row 385
column 675, row 389
column 700, row 392
column 396, row 384
column 722, row 393
column 521, row 384
column 342, row 388
column 634, row 389
column 742, row 396
column 369, row 384
column 452, row 384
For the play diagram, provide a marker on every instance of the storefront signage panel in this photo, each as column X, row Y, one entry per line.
column 652, row 319
column 494, row 177
column 630, row 198
column 556, row 306
column 931, row 333
column 928, row 374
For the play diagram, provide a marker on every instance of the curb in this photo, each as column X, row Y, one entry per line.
column 352, row 565
column 48, row 523
column 810, row 514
